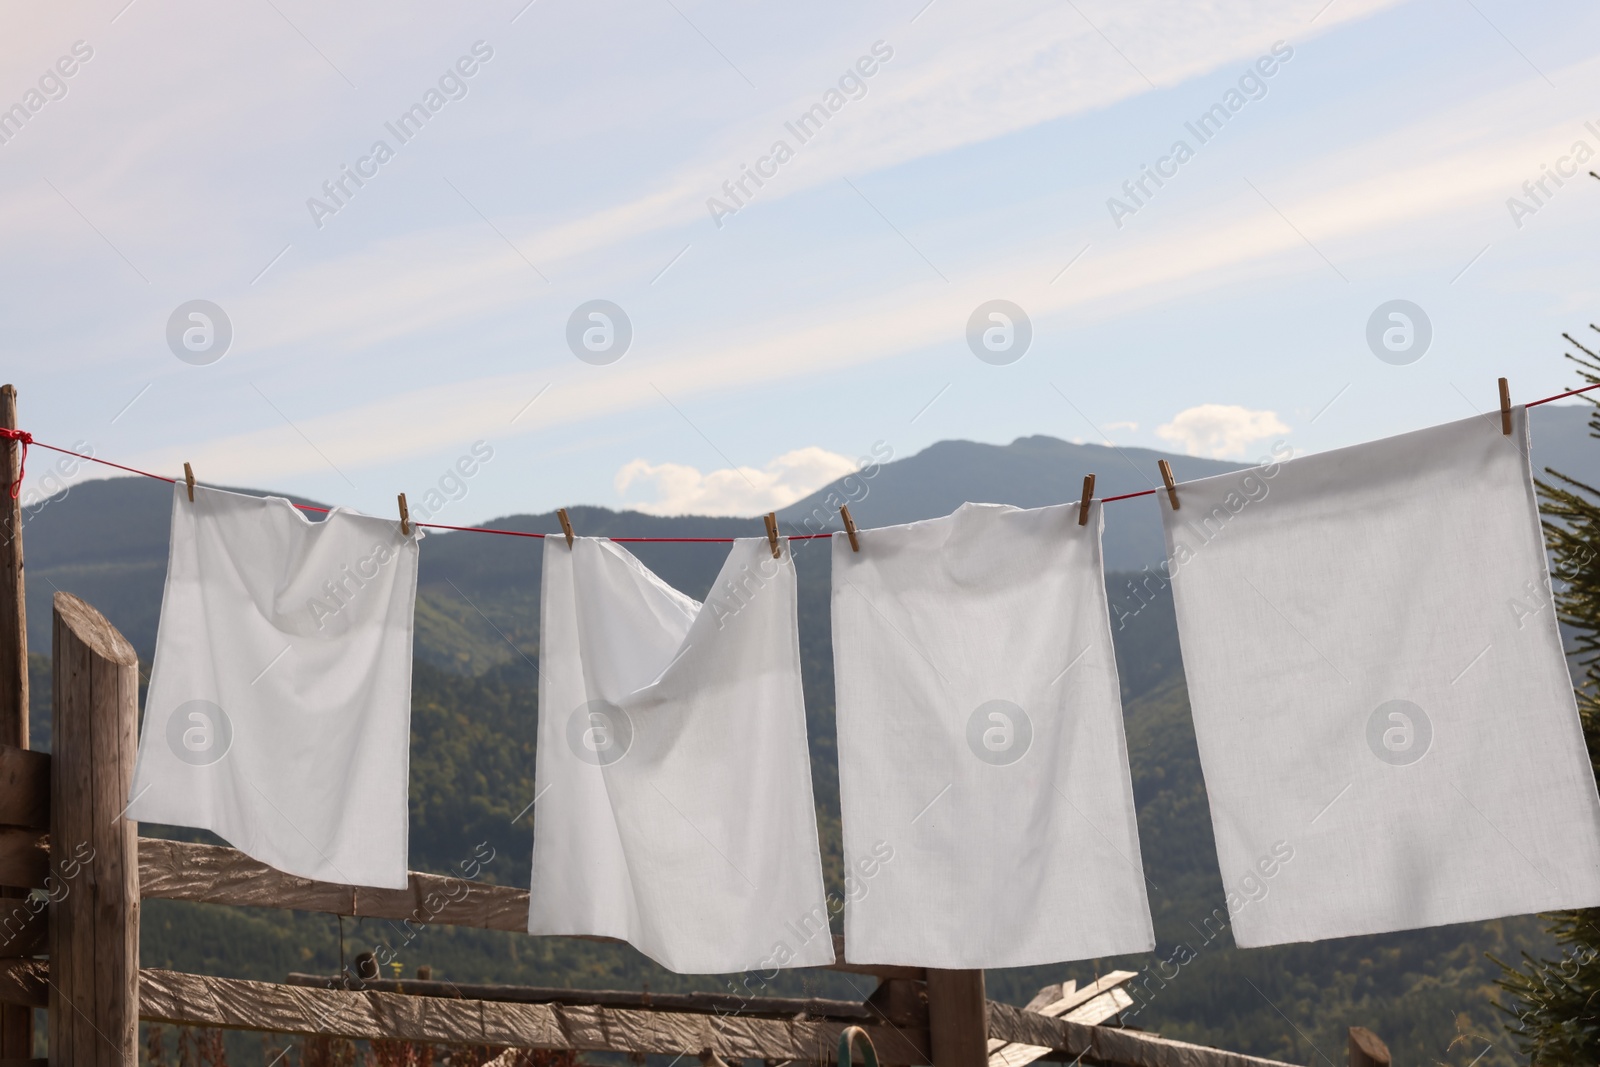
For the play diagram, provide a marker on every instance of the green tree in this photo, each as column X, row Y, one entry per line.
column 1555, row 1003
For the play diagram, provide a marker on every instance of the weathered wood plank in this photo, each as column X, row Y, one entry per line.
column 713, row 1003
column 171, row 997
column 1090, row 1013
column 1105, row 1045
column 1050, row 994
column 179, row 870
column 1071, row 998
column 1100, row 1008
column 212, row 874
column 194, row 1000
column 94, row 929
column 1090, row 1005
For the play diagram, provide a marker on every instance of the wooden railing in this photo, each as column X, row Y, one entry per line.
column 95, row 870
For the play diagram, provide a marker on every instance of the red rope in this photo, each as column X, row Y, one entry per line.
column 22, row 463
column 1562, row 396
column 27, row 439
column 106, row 462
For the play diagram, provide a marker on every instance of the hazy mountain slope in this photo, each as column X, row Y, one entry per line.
column 1030, row 472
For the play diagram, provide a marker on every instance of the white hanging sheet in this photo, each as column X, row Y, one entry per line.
column 673, row 795
column 988, row 812
column 279, row 709
column 1384, row 714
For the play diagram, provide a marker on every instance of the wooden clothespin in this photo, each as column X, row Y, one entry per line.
column 1505, row 407
column 772, row 534
column 188, row 477
column 566, row 524
column 850, row 527
column 1088, row 495
column 405, row 517
column 1172, row 486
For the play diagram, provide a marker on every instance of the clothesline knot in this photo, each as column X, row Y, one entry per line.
column 22, row 463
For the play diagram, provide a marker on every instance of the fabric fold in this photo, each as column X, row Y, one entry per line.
column 673, row 805
column 279, row 709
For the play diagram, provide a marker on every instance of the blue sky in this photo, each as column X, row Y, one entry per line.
column 373, row 347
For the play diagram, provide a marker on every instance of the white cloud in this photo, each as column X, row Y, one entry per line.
column 683, row 490
column 1220, row 431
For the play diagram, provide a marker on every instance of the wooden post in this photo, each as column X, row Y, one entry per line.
column 13, row 606
column 94, row 911
column 1367, row 1048
column 16, row 1021
column 958, row 1018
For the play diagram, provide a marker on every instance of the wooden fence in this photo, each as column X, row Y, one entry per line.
column 73, row 946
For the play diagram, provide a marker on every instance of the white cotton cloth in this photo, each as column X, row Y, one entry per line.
column 1383, row 710
column 673, row 803
column 279, row 709
column 988, row 813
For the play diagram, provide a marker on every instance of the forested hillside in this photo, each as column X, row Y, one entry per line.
column 1428, row 993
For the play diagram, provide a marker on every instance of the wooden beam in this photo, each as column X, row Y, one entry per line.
column 1106, row 1045
column 212, row 874
column 705, row 1003
column 958, row 1024
column 94, row 925
column 193, row 1000
column 1092, row 1012
column 16, row 1024
column 1093, row 1004
column 1069, row 1000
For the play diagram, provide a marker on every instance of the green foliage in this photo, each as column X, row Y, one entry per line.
column 1555, row 1010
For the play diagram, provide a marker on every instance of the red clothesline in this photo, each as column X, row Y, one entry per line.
column 27, row 439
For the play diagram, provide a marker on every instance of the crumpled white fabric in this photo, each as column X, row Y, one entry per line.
column 988, row 813
column 1384, row 714
column 279, row 709
column 673, row 804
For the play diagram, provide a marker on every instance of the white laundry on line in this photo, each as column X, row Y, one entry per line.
column 1383, row 710
column 983, row 775
column 673, row 805
column 279, row 709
